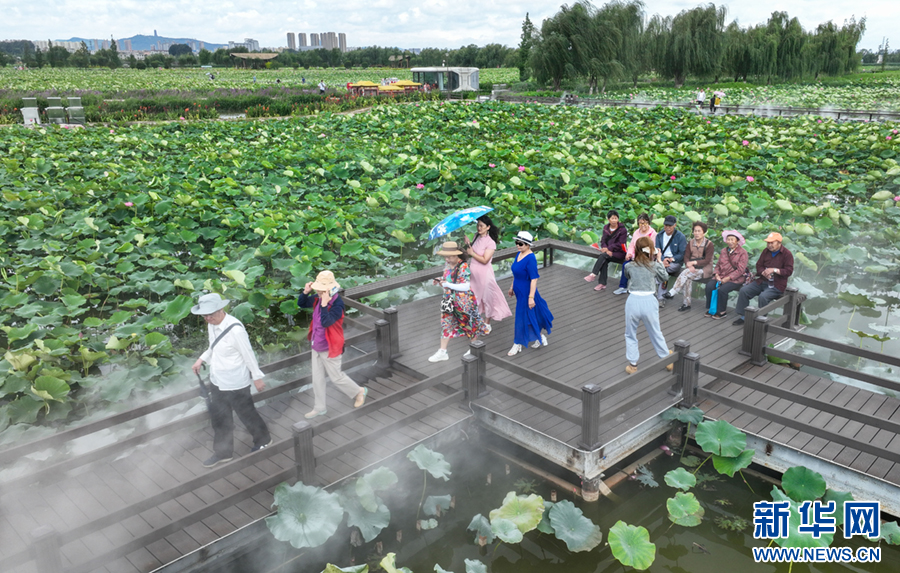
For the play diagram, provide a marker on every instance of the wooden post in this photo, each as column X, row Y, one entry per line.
column 304, row 456
column 45, row 550
column 750, row 314
column 392, row 315
column 590, row 417
column 760, row 334
column 682, row 347
column 470, row 377
column 477, row 348
column 790, row 309
column 690, row 375
column 383, row 341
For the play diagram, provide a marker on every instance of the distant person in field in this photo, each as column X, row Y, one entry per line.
column 775, row 265
column 322, row 86
column 641, row 307
column 232, row 365
column 701, row 97
column 612, row 249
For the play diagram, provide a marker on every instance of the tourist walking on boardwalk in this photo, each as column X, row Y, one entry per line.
column 698, row 265
column 459, row 309
column 729, row 274
column 643, row 230
column 612, row 249
column 491, row 303
column 774, row 266
column 641, row 306
column 671, row 244
column 326, row 337
column 232, row 365
column 532, row 313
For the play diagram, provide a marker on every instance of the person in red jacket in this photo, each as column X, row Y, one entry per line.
column 326, row 336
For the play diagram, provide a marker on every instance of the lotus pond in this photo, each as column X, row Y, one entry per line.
column 108, row 235
column 471, row 511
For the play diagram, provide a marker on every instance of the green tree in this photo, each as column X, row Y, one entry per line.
column 176, row 50
column 205, row 57
column 38, row 58
column 81, row 58
column 691, row 43
column 527, row 42
column 57, row 56
column 551, row 57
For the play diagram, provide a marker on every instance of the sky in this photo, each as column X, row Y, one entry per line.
column 401, row 23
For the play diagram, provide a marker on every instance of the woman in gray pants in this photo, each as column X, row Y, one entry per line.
column 642, row 305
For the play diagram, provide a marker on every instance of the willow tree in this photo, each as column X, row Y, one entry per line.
column 790, row 39
column 736, row 59
column 691, row 43
column 627, row 19
column 551, row 54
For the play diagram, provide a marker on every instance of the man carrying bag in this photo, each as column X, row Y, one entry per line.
column 232, row 365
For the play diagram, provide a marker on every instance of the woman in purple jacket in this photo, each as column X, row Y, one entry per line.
column 729, row 273
column 612, row 249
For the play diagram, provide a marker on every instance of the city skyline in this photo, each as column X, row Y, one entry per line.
column 402, row 23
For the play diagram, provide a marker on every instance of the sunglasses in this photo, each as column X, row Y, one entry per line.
column 521, row 244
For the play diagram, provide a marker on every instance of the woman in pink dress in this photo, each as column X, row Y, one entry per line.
column 491, row 303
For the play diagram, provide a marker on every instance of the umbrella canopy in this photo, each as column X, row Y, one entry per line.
column 406, row 83
column 457, row 220
column 365, row 84
column 720, row 94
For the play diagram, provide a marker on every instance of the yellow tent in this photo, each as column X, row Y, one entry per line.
column 406, row 83
column 364, row 84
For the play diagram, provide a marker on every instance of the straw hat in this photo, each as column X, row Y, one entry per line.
column 449, row 248
column 737, row 234
column 209, row 303
column 325, row 281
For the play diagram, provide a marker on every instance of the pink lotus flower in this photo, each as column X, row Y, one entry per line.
column 181, row 118
column 551, row 123
column 889, row 138
column 672, row 178
column 894, row 131
column 521, row 168
column 708, row 122
column 897, row 198
column 745, row 142
column 129, row 204
column 491, row 165
column 749, row 179
column 420, row 185
column 112, row 131
column 819, row 120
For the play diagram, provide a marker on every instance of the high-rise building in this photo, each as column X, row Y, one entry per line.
column 301, row 36
column 342, row 41
column 314, row 40
column 292, row 41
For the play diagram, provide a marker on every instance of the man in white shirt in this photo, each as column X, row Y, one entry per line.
column 232, row 364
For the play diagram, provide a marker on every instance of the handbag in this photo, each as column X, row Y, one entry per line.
column 748, row 276
column 447, row 305
column 714, row 299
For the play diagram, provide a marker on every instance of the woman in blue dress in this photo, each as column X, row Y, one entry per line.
column 532, row 314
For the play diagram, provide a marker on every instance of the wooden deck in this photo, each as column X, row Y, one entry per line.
column 140, row 498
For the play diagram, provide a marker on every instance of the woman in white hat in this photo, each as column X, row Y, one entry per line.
column 459, row 309
column 532, row 313
column 326, row 337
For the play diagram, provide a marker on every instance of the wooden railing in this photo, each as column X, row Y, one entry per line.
column 792, row 301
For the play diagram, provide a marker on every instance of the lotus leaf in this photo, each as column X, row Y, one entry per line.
column 364, row 568
column 684, row 509
column 729, row 465
column 795, row 539
column 370, row 523
column 434, row 505
column 389, row 565
column 693, row 415
column 803, row 484
column 680, row 478
column 439, row 569
column 524, row 511
column 376, row 480
column 50, row 388
column 482, row 528
column 631, row 545
column 838, row 497
column 425, row 524
column 890, row 532
column 430, row 461
column 720, row 438
column 571, row 526
column 475, row 566
column 307, row 516
column 506, row 530
column 544, row 525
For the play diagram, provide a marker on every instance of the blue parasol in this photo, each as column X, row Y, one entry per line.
column 458, row 219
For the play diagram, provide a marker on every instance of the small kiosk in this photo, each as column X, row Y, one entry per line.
column 447, row 79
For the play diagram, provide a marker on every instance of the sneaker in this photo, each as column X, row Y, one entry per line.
column 738, row 321
column 668, row 294
column 662, row 302
column 516, row 348
column 216, row 460
column 256, row 448
column 544, row 341
column 315, row 414
column 590, row 277
column 684, row 307
column 631, row 368
column 439, row 356
column 487, row 329
column 600, row 287
column 361, row 397
column 718, row 316
column 620, row 290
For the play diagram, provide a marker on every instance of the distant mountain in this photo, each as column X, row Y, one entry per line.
column 142, row 42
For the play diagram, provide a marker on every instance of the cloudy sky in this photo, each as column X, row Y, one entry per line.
column 403, row 23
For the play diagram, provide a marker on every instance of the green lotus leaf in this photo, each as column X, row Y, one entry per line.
column 237, row 276
column 475, row 566
column 364, row 568
column 856, row 299
column 803, row 484
column 482, row 528
column 439, row 569
column 680, row 478
column 436, row 504
column 720, row 438
column 524, row 511
column 307, row 516
column 730, row 465
column 388, row 564
column 838, row 497
column 377, row 480
column 784, row 204
column 50, row 388
column 691, row 416
column 795, row 539
column 544, row 524
column 425, row 524
column 506, row 530
column 890, row 532
column 631, row 545
column 370, row 523
column 571, row 526
column 430, row 461
column 684, row 509
column 693, row 216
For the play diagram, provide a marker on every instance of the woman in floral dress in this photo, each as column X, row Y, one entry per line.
column 459, row 309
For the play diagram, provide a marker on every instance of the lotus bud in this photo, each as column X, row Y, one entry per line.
column 489, row 479
column 553, row 495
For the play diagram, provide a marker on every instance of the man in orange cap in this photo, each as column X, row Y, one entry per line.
column 773, row 268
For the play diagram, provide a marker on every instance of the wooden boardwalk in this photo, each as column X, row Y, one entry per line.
column 140, row 498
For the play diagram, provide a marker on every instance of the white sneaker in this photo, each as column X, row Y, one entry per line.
column 439, row 356
column 516, row 348
column 536, row 344
column 544, row 341
column 620, row 290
